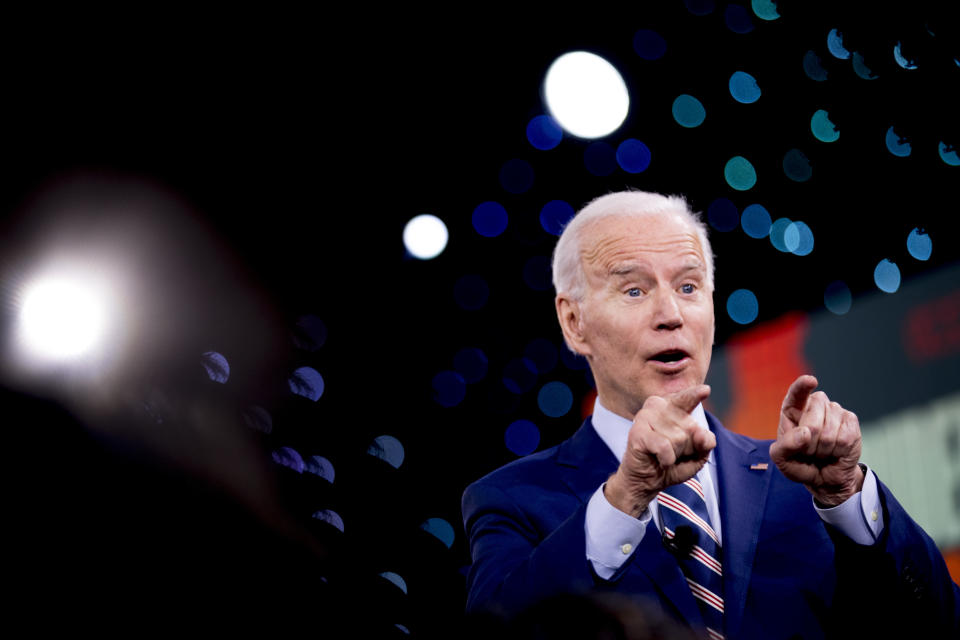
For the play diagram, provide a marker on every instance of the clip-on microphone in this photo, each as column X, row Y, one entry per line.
column 682, row 542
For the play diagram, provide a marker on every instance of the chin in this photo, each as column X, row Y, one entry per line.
column 679, row 383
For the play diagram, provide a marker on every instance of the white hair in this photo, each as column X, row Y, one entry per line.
column 568, row 276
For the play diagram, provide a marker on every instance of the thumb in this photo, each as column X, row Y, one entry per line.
column 688, row 399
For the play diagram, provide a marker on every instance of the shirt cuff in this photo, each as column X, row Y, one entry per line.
column 611, row 534
column 863, row 525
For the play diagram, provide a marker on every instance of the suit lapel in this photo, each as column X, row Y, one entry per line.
column 589, row 463
column 743, row 473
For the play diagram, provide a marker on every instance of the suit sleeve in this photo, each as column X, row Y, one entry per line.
column 899, row 585
column 515, row 564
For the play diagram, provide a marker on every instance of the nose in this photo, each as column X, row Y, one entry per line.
column 666, row 313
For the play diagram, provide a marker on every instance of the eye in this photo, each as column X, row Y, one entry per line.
column 634, row 292
column 688, row 288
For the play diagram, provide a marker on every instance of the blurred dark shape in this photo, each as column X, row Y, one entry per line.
column 310, row 333
column 104, row 532
column 595, row 616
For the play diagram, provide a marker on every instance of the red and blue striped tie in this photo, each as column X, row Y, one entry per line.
column 683, row 514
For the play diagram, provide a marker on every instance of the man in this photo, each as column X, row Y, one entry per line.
column 634, row 278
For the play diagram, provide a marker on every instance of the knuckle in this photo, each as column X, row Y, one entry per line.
column 654, row 403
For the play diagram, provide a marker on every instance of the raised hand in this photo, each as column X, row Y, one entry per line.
column 818, row 443
column 665, row 446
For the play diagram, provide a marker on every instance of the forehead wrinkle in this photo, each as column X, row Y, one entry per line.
column 611, row 254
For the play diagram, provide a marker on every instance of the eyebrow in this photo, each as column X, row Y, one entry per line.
column 631, row 268
column 625, row 269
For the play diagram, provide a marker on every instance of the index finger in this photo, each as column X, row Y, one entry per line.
column 689, row 398
column 798, row 393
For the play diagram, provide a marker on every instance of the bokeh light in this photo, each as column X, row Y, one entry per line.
column 886, row 275
column 330, row 517
column 544, row 133
column 688, row 111
column 837, row 297
column 388, row 449
column 289, row 458
column 765, row 9
column 64, row 317
column 516, row 176
column 796, row 166
column 835, row 45
column 813, row 67
column 258, row 418
column 449, row 388
column 919, row 244
column 897, row 145
column 633, row 156
column 600, row 159
column 784, row 235
column 522, row 437
column 804, row 238
column 586, row 95
column 306, row 382
column 471, row 363
column 489, row 219
column 555, row 215
column 737, row 18
column 320, row 466
column 471, row 292
column 537, row 273
column 742, row 306
column 520, row 375
column 555, row 399
column 571, row 360
column 822, row 128
column 901, row 60
column 425, row 236
column 309, row 333
column 743, row 87
column 542, row 354
column 755, row 221
column 699, row 7
column 439, row 529
column 395, row 579
column 740, row 174
column 949, row 154
column 860, row 67
column 649, row 44
column 216, row 366
column 723, row 215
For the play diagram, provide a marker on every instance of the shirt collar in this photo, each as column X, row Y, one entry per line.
column 613, row 428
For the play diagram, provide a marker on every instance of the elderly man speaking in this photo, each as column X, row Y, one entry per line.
column 653, row 497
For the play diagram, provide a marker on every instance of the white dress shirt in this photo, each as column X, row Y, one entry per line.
column 612, row 535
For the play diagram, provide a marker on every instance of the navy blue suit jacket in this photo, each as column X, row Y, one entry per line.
column 785, row 572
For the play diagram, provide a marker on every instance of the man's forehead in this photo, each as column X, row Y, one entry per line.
column 618, row 241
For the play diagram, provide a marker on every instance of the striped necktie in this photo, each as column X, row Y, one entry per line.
column 683, row 514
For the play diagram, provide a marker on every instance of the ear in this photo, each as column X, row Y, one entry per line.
column 570, row 315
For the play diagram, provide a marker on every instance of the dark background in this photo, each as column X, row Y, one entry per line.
column 295, row 147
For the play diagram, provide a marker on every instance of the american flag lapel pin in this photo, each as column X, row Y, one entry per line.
column 759, row 466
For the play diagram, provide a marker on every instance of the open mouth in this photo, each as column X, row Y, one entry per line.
column 671, row 355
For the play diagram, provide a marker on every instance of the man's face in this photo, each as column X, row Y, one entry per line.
column 645, row 322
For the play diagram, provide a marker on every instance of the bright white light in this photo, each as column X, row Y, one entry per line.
column 62, row 318
column 425, row 236
column 585, row 94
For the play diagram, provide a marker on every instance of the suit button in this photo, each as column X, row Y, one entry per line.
column 626, row 548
